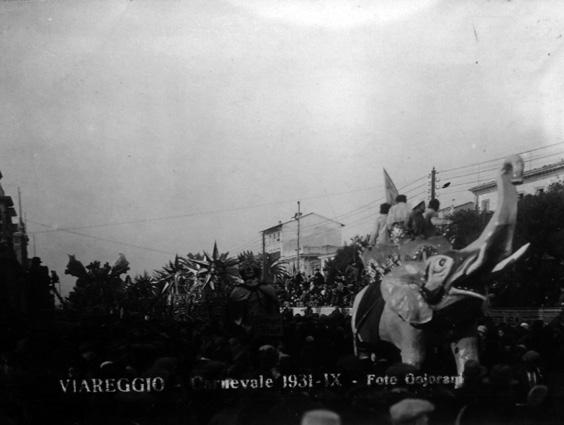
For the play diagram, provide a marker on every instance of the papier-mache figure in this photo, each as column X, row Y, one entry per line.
column 436, row 289
column 253, row 304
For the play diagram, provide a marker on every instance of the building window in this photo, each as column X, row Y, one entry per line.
column 485, row 205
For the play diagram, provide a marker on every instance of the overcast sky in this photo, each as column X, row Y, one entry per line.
column 152, row 127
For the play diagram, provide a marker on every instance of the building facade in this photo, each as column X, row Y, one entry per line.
column 319, row 239
column 13, row 259
column 535, row 181
column 13, row 237
column 447, row 211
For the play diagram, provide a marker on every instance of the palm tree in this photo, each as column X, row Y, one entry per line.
column 175, row 281
column 198, row 284
column 275, row 270
column 218, row 272
column 139, row 293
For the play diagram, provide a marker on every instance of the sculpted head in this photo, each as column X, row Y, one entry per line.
column 445, row 275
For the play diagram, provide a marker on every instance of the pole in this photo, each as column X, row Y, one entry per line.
column 433, row 182
column 298, row 218
column 263, row 257
column 20, row 206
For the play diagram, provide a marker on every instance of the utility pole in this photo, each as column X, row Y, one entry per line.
column 433, row 183
column 20, row 206
column 297, row 217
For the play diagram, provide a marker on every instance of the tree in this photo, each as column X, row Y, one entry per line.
column 198, row 284
column 275, row 271
column 466, row 227
column 140, row 294
column 175, row 281
column 99, row 288
column 537, row 281
column 346, row 258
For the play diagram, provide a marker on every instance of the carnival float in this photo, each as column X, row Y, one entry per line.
column 431, row 293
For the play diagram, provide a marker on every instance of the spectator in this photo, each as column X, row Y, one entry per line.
column 397, row 219
column 380, row 234
column 411, row 411
column 320, row 417
column 416, row 222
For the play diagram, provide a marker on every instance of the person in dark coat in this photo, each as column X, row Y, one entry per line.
column 253, row 304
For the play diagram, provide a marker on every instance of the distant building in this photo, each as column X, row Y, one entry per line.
column 13, row 259
column 13, row 237
column 535, row 181
column 320, row 237
column 443, row 212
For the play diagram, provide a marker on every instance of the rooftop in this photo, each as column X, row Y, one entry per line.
column 535, row 172
column 279, row 225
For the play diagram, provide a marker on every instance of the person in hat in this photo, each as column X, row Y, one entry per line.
column 530, row 376
column 411, row 411
column 320, row 417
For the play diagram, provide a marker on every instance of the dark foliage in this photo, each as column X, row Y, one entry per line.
column 347, row 261
column 538, row 279
column 466, row 227
column 99, row 289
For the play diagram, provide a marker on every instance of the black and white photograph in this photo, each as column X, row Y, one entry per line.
column 282, row 212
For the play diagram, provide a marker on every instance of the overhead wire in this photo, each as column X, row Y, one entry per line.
column 363, row 209
column 488, row 176
column 358, row 211
column 476, row 164
column 501, row 158
column 194, row 214
column 370, row 205
column 98, row 238
column 219, row 211
column 364, row 214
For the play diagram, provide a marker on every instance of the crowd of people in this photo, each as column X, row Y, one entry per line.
column 314, row 290
column 394, row 223
column 399, row 221
column 191, row 357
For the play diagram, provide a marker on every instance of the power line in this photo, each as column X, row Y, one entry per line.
column 489, row 177
column 416, row 188
column 500, row 158
column 544, row 156
column 412, row 182
column 361, row 209
column 454, row 191
column 194, row 214
column 471, row 173
column 209, row 212
column 72, row 232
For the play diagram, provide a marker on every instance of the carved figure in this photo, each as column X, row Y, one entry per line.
column 436, row 291
column 253, row 304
